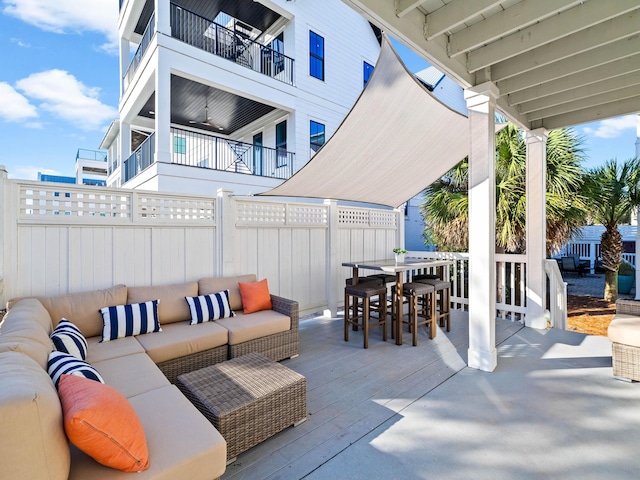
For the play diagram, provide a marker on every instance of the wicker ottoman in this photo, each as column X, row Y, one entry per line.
column 248, row 399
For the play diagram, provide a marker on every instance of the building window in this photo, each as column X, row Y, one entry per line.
column 281, row 144
column 366, row 72
column 316, row 136
column 316, row 55
column 179, row 145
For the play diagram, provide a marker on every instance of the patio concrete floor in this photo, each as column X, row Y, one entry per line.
column 550, row 410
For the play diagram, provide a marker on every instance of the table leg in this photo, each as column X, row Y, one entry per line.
column 398, row 309
column 354, row 281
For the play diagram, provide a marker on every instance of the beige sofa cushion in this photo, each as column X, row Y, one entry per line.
column 26, row 328
column 82, row 308
column 625, row 329
column 120, row 347
column 210, row 285
column 132, row 374
column 172, row 307
column 243, row 328
column 182, row 443
column 180, row 339
column 32, row 439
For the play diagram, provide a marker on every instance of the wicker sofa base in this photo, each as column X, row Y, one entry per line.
column 626, row 361
column 248, row 399
column 195, row 361
column 276, row 347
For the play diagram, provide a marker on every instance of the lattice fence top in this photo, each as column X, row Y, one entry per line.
column 364, row 217
column 160, row 207
column 255, row 213
column 50, row 202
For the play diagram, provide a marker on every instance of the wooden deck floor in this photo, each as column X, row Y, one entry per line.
column 351, row 391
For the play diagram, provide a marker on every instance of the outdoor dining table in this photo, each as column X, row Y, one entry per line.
column 399, row 268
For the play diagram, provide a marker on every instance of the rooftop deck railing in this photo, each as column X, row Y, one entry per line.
column 207, row 35
column 98, row 155
column 142, row 48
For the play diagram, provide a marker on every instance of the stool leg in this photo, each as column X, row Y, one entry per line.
column 346, row 317
column 354, row 325
column 448, row 308
column 432, row 325
column 383, row 316
column 365, row 321
column 413, row 319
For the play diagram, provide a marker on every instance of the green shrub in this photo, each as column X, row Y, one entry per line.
column 626, row 269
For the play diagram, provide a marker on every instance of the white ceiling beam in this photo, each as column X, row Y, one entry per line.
column 593, row 75
column 577, row 63
column 453, row 14
column 575, row 22
column 568, row 48
column 585, row 91
column 405, row 6
column 505, row 23
column 410, row 31
column 593, row 114
column 584, row 103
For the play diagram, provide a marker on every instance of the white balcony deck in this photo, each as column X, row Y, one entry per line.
column 550, row 410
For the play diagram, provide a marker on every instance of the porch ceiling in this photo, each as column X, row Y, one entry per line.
column 556, row 63
column 226, row 110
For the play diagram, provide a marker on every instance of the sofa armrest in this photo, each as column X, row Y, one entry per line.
column 629, row 307
column 286, row 307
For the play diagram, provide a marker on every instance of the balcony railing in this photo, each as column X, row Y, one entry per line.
column 142, row 48
column 215, row 153
column 207, row 35
column 141, row 158
column 98, row 155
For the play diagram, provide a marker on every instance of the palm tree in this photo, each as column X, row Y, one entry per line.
column 446, row 207
column 612, row 193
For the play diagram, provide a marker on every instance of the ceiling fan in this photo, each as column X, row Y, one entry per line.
column 207, row 120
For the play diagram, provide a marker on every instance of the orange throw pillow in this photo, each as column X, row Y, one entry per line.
column 101, row 422
column 255, row 296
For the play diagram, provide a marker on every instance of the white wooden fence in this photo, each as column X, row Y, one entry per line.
column 59, row 238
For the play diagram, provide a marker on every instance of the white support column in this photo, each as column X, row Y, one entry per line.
column 399, row 227
column 481, row 101
column 225, row 233
column 124, row 62
column 163, row 17
column 163, row 112
column 638, row 222
column 124, row 145
column 333, row 262
column 536, row 179
column 3, row 202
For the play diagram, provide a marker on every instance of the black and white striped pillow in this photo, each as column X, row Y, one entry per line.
column 60, row 363
column 127, row 320
column 68, row 338
column 209, row 307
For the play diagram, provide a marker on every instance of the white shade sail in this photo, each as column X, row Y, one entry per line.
column 396, row 140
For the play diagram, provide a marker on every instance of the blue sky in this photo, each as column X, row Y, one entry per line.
column 59, row 87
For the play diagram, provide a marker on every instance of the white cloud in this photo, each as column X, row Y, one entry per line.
column 612, row 127
column 14, row 107
column 30, row 172
column 20, row 43
column 62, row 16
column 66, row 97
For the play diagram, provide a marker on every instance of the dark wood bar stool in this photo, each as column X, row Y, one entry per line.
column 443, row 291
column 426, row 310
column 362, row 318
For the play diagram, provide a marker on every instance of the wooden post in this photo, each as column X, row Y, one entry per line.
column 333, row 262
column 225, row 233
column 536, row 225
column 481, row 101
